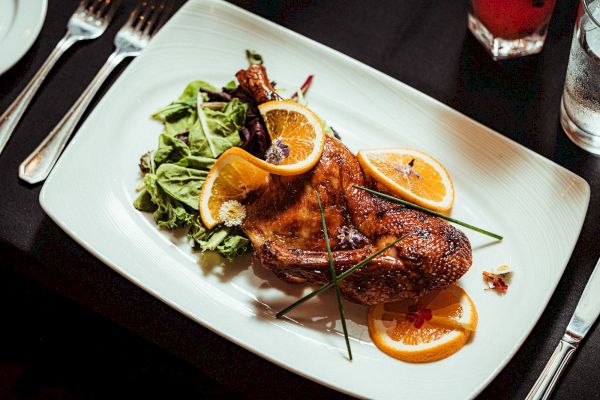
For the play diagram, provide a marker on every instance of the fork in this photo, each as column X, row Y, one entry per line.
column 89, row 21
column 144, row 21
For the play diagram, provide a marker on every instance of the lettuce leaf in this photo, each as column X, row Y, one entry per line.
column 222, row 130
column 170, row 149
column 175, row 110
column 196, row 162
column 198, row 231
column 236, row 110
column 186, row 103
column 181, row 183
column 170, row 213
column 191, row 90
column 229, row 242
column 233, row 246
column 183, row 124
column 144, row 202
column 231, row 85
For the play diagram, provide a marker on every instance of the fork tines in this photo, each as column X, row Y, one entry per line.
column 99, row 8
column 149, row 16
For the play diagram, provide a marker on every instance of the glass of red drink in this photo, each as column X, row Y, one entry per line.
column 510, row 28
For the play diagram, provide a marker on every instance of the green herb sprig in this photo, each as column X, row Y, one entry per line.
column 428, row 211
column 338, row 294
column 254, row 58
column 340, row 277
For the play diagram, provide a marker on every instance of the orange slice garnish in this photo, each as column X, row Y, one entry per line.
column 438, row 325
column 236, row 172
column 232, row 177
column 297, row 127
column 411, row 175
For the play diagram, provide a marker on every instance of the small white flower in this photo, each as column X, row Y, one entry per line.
column 232, row 213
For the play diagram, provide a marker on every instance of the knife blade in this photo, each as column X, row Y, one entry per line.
column 583, row 318
column 588, row 307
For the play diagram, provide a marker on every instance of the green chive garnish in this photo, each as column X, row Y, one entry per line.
column 338, row 295
column 342, row 276
column 428, row 211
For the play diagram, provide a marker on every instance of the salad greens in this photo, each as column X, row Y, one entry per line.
column 254, row 58
column 181, row 183
column 191, row 140
column 215, row 131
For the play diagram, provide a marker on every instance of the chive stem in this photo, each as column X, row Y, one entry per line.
column 338, row 294
column 428, row 211
column 340, row 277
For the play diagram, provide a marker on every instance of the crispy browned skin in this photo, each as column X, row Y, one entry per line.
column 255, row 80
column 283, row 223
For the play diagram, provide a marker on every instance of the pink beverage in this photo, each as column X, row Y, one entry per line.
column 510, row 28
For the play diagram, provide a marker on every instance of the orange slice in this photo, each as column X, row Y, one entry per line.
column 436, row 327
column 295, row 126
column 412, row 175
column 236, row 172
column 232, row 177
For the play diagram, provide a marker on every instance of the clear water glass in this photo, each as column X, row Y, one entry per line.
column 580, row 105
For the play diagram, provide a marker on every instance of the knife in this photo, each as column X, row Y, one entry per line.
column 583, row 318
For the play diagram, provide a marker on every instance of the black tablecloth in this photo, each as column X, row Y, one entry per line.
column 47, row 277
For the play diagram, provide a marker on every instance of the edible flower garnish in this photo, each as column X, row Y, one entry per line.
column 497, row 283
column 232, row 213
column 350, row 237
column 338, row 294
column 277, row 152
column 340, row 277
column 408, row 170
column 417, row 314
column 428, row 211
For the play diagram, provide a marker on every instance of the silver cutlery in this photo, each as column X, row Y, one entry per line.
column 144, row 21
column 89, row 21
column 582, row 320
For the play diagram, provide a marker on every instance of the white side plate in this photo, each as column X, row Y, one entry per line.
column 20, row 24
column 537, row 205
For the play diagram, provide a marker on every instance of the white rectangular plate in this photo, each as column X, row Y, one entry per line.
column 537, row 205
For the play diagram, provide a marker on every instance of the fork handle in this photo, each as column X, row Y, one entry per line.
column 542, row 388
column 11, row 117
column 36, row 167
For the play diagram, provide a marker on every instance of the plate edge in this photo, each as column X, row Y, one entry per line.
column 40, row 26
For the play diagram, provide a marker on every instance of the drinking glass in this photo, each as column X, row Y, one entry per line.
column 510, row 28
column 580, row 105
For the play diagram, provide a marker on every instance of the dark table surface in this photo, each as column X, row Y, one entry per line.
column 74, row 327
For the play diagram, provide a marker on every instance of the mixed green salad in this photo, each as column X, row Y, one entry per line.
column 175, row 171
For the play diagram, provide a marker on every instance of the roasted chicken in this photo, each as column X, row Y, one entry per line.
column 255, row 81
column 283, row 223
